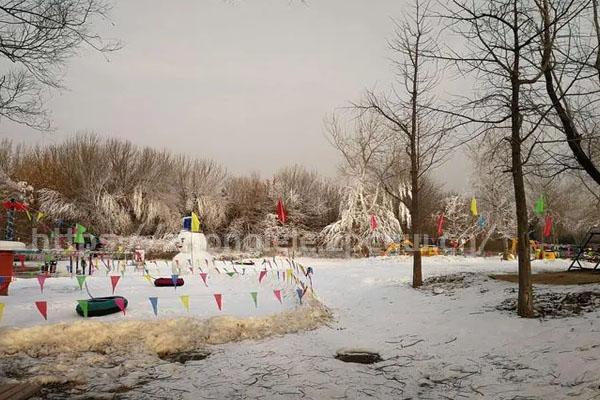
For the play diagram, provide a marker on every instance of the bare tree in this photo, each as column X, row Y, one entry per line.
column 501, row 53
column 38, row 37
column 406, row 111
column 571, row 69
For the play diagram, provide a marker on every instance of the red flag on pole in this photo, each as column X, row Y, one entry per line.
column 440, row 224
column 373, row 222
column 281, row 214
column 548, row 226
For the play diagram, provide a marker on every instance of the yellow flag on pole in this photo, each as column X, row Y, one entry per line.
column 474, row 207
column 195, row 222
column 1, row 311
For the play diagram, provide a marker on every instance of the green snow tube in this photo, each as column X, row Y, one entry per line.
column 100, row 306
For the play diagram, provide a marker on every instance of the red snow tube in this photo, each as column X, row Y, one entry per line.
column 167, row 282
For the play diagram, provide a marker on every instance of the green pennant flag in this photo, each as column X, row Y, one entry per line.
column 84, row 307
column 540, row 205
column 231, row 274
column 79, row 231
column 81, row 280
column 254, row 298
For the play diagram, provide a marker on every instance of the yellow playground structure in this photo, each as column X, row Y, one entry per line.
column 538, row 251
column 406, row 247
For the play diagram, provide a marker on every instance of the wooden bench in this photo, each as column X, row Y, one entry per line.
column 18, row 391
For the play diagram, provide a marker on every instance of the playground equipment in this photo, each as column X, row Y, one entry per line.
column 406, row 247
column 537, row 251
column 587, row 253
column 8, row 250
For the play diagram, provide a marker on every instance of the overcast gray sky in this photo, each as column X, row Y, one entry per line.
column 246, row 83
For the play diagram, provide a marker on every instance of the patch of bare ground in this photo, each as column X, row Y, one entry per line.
column 448, row 284
column 558, row 305
column 555, row 278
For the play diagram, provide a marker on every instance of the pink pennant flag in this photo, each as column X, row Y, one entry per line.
column 262, row 275
column 41, row 280
column 277, row 294
column 203, row 275
column 219, row 300
column 42, row 307
column 114, row 279
column 373, row 222
column 120, row 302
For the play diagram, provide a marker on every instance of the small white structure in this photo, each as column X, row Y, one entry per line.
column 7, row 245
column 193, row 251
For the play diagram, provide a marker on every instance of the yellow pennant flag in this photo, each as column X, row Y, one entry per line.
column 1, row 311
column 148, row 278
column 289, row 274
column 185, row 300
column 474, row 207
column 40, row 215
column 195, row 222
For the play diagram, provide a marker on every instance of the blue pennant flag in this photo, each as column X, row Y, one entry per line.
column 154, row 302
column 300, row 294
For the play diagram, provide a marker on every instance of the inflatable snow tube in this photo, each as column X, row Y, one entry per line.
column 160, row 282
column 100, row 306
column 244, row 262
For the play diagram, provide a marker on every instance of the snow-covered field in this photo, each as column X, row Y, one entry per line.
column 451, row 345
column 61, row 293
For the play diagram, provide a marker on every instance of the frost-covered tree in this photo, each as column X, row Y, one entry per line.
column 359, row 205
column 460, row 226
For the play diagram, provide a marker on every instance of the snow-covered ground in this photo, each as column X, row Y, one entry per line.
column 452, row 345
column 61, row 293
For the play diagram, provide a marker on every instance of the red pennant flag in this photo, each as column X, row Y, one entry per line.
column 262, row 275
column 281, row 214
column 41, row 280
column 120, row 302
column 440, row 224
column 373, row 222
column 42, row 307
column 219, row 300
column 203, row 275
column 22, row 260
column 114, row 279
column 277, row 294
column 548, row 226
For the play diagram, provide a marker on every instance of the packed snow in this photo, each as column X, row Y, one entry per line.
column 441, row 341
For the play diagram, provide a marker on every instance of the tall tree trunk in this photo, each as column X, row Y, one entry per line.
column 525, row 301
column 416, row 230
column 415, row 214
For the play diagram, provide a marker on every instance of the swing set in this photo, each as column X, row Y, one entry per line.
column 587, row 253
